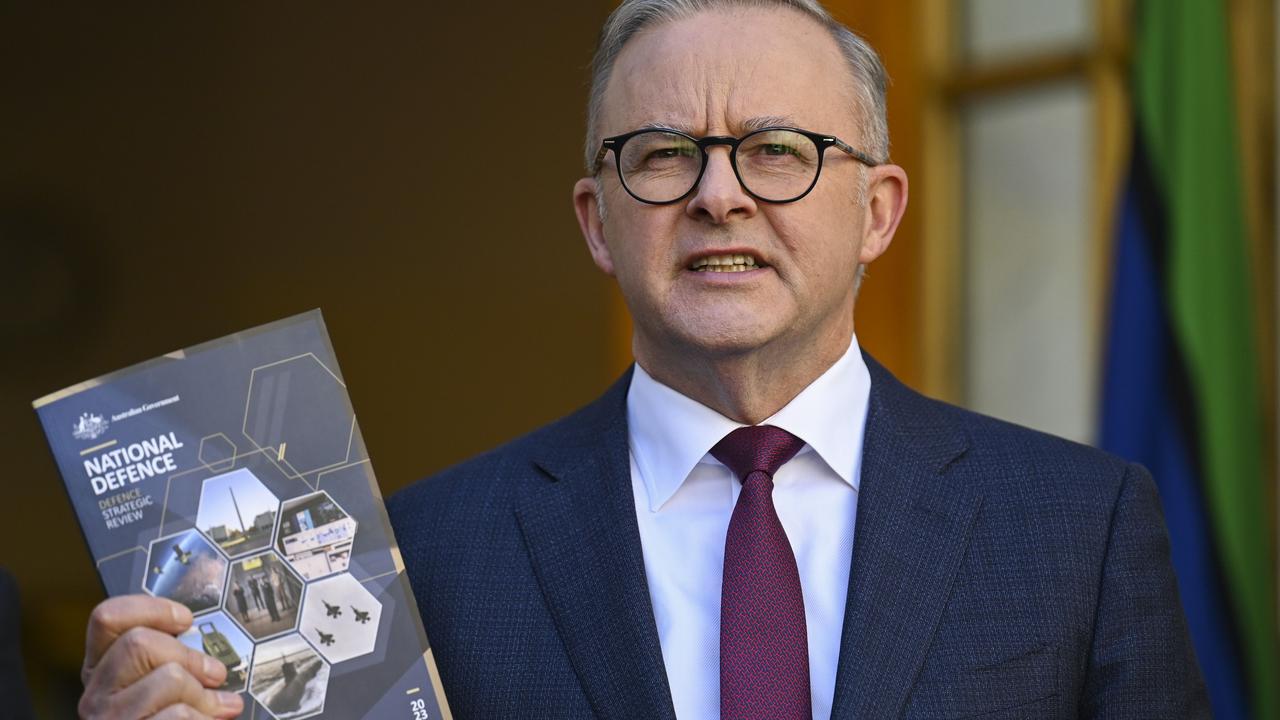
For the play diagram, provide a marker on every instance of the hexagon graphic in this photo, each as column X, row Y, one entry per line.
column 263, row 595
column 186, row 568
column 216, row 635
column 237, row 512
column 316, row 535
column 289, row 678
column 217, row 451
column 300, row 408
column 340, row 617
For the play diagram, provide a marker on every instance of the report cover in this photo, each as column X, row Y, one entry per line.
column 231, row 477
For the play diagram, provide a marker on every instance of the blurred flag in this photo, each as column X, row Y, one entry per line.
column 1181, row 391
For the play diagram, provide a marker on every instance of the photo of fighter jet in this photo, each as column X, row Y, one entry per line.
column 341, row 616
column 325, row 638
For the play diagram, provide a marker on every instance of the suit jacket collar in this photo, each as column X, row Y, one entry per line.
column 584, row 541
column 913, row 527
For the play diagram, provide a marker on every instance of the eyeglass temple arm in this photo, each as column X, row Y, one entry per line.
column 605, row 146
column 858, row 155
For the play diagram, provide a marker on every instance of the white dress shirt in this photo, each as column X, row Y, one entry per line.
column 684, row 498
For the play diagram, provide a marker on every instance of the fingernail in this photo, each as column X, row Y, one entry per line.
column 211, row 666
column 229, row 701
column 180, row 614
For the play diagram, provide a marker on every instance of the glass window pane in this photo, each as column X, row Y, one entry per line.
column 1030, row 342
column 997, row 30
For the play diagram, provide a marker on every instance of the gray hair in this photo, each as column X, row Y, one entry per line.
column 632, row 16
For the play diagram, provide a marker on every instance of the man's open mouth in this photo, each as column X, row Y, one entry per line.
column 726, row 263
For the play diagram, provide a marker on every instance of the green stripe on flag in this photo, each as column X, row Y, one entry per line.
column 1183, row 91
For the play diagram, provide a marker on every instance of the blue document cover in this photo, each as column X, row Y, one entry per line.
column 231, row 477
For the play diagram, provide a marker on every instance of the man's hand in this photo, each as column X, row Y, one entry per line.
column 135, row 667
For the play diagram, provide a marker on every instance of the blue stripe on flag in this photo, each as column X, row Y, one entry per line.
column 1146, row 419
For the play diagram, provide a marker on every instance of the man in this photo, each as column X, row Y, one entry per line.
column 257, row 592
column 238, row 592
column 648, row 557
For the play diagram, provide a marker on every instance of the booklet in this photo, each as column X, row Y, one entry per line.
column 232, row 478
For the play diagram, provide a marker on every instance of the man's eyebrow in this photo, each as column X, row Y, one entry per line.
column 764, row 121
column 659, row 125
column 748, row 125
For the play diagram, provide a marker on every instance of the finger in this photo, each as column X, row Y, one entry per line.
column 184, row 711
column 115, row 616
column 171, row 684
column 180, row 712
column 142, row 650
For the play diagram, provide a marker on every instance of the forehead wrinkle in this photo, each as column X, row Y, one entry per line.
column 656, row 118
column 657, row 102
column 740, row 83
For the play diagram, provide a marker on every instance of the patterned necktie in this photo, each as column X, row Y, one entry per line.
column 764, row 646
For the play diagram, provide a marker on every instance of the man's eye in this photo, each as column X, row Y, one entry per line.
column 670, row 152
column 779, row 149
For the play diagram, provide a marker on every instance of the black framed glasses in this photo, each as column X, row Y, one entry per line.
column 774, row 164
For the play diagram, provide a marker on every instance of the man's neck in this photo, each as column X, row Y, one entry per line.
column 747, row 387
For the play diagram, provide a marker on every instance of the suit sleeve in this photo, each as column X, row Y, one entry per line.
column 1141, row 662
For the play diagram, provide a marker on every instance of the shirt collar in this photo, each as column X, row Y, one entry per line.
column 671, row 433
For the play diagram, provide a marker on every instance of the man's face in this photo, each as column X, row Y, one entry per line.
column 724, row 73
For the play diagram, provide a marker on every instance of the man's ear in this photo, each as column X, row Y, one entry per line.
column 587, row 208
column 886, row 203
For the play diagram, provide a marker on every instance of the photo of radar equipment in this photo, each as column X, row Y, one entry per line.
column 186, row 568
column 289, row 678
column 217, row 636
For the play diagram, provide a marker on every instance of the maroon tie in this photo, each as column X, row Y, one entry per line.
column 764, row 650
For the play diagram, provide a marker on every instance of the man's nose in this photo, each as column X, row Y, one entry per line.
column 719, row 196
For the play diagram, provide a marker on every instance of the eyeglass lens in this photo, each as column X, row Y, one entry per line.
column 775, row 165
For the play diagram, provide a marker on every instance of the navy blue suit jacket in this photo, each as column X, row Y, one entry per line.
column 997, row 572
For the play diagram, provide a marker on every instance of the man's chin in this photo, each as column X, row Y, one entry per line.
column 727, row 339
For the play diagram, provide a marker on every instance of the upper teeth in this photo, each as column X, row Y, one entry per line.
column 724, row 263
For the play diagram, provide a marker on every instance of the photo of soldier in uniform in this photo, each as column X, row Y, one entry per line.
column 316, row 535
column 187, row 569
column 289, row 678
column 238, row 512
column 216, row 635
column 263, row 595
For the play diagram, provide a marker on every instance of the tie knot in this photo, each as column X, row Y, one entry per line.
column 758, row 447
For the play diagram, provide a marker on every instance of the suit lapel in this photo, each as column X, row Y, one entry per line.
column 912, row 530
column 584, row 542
